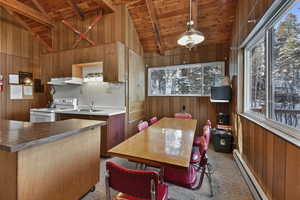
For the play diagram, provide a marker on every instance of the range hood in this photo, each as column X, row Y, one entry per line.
column 66, row 81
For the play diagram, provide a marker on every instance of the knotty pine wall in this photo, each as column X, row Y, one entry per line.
column 18, row 52
column 110, row 29
column 200, row 107
column 274, row 162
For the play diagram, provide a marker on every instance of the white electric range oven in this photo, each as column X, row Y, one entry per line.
column 48, row 114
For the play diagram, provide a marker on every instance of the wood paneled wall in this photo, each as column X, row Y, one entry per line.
column 136, row 91
column 200, row 107
column 112, row 28
column 274, row 162
column 19, row 51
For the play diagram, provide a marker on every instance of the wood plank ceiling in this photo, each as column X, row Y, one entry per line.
column 214, row 18
column 159, row 23
column 38, row 16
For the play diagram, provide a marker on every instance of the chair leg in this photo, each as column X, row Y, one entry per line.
column 197, row 166
column 107, row 188
column 210, row 184
column 137, row 165
column 208, row 174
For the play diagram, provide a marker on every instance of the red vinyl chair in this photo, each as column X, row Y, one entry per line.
column 153, row 120
column 196, row 155
column 134, row 184
column 206, row 134
column 188, row 178
column 142, row 125
column 183, row 116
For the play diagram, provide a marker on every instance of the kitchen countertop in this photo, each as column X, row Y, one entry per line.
column 97, row 112
column 17, row 135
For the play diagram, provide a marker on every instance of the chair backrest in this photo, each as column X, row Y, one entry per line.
column 137, row 183
column 208, row 123
column 207, row 133
column 183, row 116
column 142, row 125
column 153, row 120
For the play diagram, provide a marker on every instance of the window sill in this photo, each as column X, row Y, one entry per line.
column 267, row 125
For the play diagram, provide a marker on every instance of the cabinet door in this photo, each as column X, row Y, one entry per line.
column 70, row 116
column 114, row 63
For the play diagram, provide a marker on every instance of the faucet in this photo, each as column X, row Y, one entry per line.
column 92, row 106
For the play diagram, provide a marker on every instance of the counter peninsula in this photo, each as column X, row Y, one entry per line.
column 56, row 160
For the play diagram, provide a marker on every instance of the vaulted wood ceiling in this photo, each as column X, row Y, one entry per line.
column 214, row 19
column 159, row 23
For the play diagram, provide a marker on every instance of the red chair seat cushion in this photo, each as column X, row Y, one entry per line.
column 162, row 194
column 182, row 177
column 196, row 141
column 196, row 156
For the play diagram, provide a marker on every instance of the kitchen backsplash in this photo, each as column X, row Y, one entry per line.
column 101, row 93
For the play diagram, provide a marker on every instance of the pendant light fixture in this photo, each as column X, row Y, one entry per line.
column 191, row 37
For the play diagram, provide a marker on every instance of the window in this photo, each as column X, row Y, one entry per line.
column 285, row 68
column 272, row 75
column 184, row 80
column 257, row 77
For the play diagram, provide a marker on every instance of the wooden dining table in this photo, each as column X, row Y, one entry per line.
column 168, row 142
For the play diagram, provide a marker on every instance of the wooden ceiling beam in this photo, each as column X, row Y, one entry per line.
column 38, row 5
column 25, row 25
column 73, row 4
column 155, row 26
column 106, row 5
column 23, row 9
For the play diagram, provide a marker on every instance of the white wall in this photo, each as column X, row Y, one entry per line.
column 103, row 94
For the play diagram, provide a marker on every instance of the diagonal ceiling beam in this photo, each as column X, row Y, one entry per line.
column 155, row 25
column 25, row 25
column 26, row 11
column 106, row 5
column 38, row 5
column 73, row 4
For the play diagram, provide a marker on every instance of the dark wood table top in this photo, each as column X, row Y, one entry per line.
column 17, row 135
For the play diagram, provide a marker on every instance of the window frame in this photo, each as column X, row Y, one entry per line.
column 263, row 29
column 247, row 72
column 183, row 66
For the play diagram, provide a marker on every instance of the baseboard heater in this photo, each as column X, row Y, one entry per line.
column 254, row 187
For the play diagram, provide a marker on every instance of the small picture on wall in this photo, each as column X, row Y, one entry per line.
column 13, row 78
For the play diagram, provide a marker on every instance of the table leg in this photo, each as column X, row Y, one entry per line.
column 162, row 171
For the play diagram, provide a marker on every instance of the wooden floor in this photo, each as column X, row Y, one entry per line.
column 228, row 182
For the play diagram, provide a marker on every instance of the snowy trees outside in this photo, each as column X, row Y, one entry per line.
column 185, row 80
column 283, row 70
column 258, row 77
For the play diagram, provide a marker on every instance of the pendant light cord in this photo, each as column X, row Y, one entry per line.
column 190, row 10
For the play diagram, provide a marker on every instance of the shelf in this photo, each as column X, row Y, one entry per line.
column 219, row 101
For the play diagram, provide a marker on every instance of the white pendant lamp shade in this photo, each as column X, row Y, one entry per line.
column 191, row 37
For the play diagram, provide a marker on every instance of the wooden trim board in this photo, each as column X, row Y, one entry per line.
column 253, row 185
